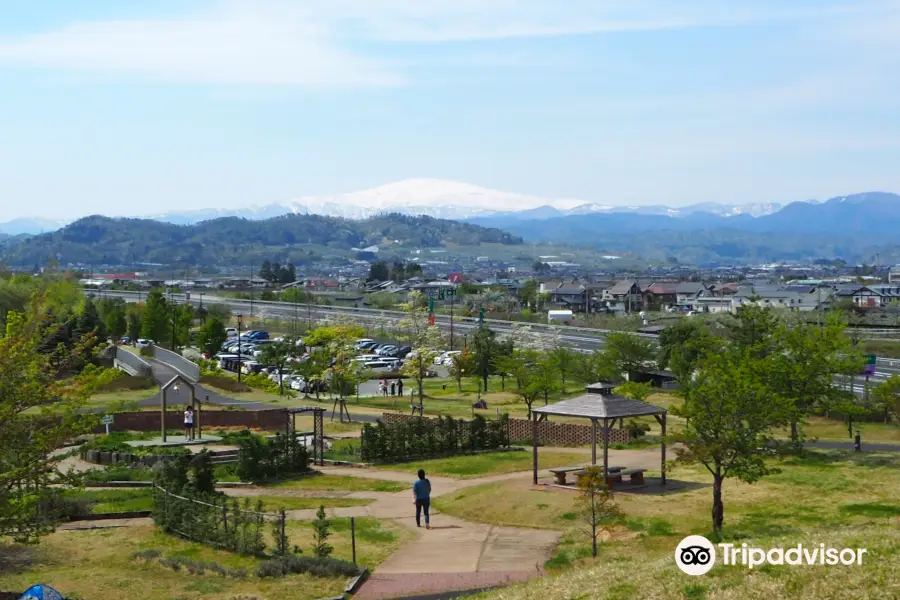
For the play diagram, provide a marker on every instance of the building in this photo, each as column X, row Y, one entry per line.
column 894, row 274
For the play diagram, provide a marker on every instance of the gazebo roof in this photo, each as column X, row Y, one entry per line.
column 596, row 406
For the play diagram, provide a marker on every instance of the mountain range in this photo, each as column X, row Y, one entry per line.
column 430, row 197
column 301, row 239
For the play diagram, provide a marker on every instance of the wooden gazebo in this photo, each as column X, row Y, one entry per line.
column 601, row 406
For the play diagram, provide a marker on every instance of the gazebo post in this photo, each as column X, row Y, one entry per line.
column 534, row 444
column 594, row 442
column 605, row 449
column 162, row 416
column 663, row 449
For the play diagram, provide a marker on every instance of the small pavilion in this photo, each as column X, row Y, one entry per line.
column 602, row 407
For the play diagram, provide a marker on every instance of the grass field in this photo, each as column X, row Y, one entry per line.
column 98, row 564
column 491, row 463
column 339, row 483
column 125, row 500
column 823, row 496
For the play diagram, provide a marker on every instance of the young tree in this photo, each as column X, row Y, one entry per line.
column 528, row 294
column 597, row 507
column 731, row 412
column 809, row 357
column 887, row 395
column 564, row 361
column 463, row 364
column 39, row 413
column 521, row 365
column 424, row 338
column 279, row 354
column 211, row 337
column 155, row 323
column 485, row 352
column 321, row 533
column 181, row 318
column 313, row 368
column 626, row 353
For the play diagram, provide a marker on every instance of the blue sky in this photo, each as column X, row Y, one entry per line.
column 148, row 106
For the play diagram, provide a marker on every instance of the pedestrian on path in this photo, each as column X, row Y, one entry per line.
column 422, row 496
column 393, row 388
column 188, row 423
column 400, row 387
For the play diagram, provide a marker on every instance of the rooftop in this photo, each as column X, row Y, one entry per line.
column 597, row 406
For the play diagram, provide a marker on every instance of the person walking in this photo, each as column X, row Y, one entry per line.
column 400, row 387
column 188, row 423
column 422, row 497
column 393, row 388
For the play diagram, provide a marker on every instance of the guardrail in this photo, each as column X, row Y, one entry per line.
column 131, row 363
column 182, row 365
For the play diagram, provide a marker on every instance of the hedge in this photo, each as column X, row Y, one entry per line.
column 420, row 437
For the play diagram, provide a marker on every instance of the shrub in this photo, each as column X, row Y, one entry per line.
column 126, row 382
column 118, row 472
column 636, row 430
column 224, row 382
column 147, row 351
column 260, row 459
column 314, row 565
column 423, row 437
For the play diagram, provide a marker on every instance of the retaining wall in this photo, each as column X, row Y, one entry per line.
column 550, row 433
column 131, row 363
column 189, row 369
column 272, row 419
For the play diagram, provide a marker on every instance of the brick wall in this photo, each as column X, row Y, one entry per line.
column 550, row 433
column 273, row 419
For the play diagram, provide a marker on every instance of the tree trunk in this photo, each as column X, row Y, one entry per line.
column 594, row 540
column 718, row 510
column 280, row 382
column 485, row 378
column 794, row 433
column 563, row 383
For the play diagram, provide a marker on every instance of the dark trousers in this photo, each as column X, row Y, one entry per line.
column 422, row 504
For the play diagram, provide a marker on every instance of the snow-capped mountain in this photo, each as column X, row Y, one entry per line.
column 432, row 197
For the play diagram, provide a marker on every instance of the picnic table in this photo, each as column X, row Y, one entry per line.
column 560, row 472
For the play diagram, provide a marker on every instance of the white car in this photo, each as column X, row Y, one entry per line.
column 143, row 343
column 447, row 357
column 231, row 332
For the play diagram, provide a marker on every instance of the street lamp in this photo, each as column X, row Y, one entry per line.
column 240, row 319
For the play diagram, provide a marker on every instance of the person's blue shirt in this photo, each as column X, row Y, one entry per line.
column 422, row 489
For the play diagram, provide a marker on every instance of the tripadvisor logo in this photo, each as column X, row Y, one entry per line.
column 696, row 555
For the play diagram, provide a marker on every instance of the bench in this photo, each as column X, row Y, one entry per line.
column 560, row 472
column 615, row 474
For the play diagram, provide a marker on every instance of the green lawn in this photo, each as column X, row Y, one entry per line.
column 98, row 564
column 339, row 483
column 139, row 499
column 845, row 498
column 491, row 463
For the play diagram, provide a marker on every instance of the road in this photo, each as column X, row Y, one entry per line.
column 582, row 339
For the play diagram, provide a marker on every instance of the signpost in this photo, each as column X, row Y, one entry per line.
column 107, row 420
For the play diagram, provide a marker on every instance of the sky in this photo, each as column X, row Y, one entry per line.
column 150, row 106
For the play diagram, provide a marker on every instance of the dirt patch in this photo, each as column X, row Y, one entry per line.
column 14, row 559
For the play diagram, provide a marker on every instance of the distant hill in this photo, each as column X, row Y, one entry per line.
column 850, row 227
column 103, row 240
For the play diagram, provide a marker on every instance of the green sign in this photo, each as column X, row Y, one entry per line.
column 430, row 304
column 871, row 359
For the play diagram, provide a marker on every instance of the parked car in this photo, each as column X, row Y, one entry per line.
column 447, row 357
column 402, row 351
column 364, row 343
column 143, row 343
column 125, row 340
column 383, row 350
column 231, row 332
column 258, row 336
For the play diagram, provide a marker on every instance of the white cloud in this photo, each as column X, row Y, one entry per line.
column 309, row 42
column 238, row 45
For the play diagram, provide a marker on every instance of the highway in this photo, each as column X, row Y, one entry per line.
column 582, row 339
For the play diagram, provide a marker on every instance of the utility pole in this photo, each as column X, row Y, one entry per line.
column 240, row 364
column 251, row 292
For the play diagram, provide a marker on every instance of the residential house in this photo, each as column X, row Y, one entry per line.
column 870, row 296
column 659, row 295
column 686, row 292
column 774, row 298
column 625, row 295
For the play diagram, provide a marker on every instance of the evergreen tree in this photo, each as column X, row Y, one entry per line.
column 134, row 325
column 211, row 336
column 321, row 533
column 89, row 320
column 155, row 324
column 379, row 271
column 116, row 324
column 265, row 271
